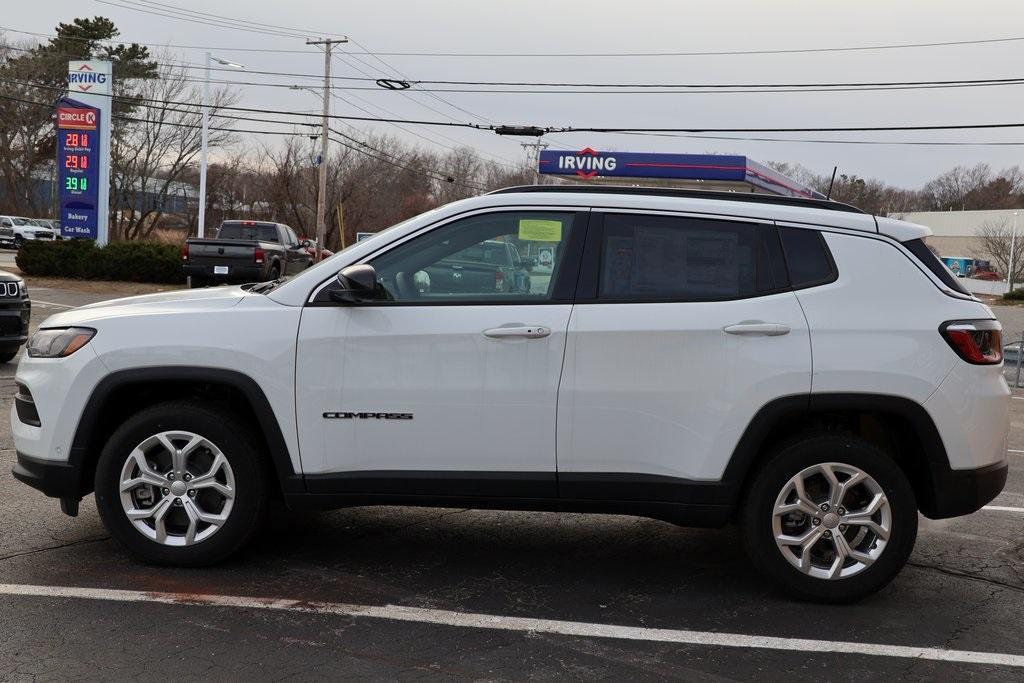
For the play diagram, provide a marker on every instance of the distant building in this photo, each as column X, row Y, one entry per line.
column 956, row 232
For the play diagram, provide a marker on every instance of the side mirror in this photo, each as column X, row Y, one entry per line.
column 306, row 244
column 358, row 285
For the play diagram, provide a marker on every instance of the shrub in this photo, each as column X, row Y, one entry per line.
column 83, row 260
column 1015, row 295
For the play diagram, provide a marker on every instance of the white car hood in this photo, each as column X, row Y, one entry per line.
column 184, row 300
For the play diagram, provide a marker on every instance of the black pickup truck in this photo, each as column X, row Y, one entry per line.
column 244, row 251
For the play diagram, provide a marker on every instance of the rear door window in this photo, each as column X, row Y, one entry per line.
column 673, row 258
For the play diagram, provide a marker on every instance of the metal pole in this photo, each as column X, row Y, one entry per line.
column 202, row 154
column 1013, row 248
column 1020, row 348
column 321, row 197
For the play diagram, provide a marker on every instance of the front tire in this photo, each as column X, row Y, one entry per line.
column 182, row 484
column 830, row 517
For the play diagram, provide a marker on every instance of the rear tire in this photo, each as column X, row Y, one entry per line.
column 162, row 519
column 197, row 282
column 275, row 272
column 863, row 477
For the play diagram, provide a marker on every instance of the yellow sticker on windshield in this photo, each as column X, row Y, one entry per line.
column 539, row 230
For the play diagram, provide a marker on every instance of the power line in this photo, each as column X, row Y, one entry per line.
column 220, row 48
column 216, row 24
column 711, row 53
column 165, row 7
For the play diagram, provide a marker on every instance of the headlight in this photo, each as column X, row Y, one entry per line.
column 22, row 288
column 58, row 343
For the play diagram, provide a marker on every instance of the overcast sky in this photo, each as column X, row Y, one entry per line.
column 553, row 26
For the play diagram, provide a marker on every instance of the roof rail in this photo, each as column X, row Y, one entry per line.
column 825, row 204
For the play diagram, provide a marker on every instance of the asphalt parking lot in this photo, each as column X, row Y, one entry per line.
column 460, row 594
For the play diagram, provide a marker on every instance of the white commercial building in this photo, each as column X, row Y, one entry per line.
column 956, row 232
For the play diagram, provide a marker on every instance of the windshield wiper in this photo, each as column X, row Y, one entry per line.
column 264, row 287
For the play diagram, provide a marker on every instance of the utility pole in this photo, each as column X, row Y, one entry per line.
column 533, row 154
column 321, row 197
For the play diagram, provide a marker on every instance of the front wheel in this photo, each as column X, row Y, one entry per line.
column 181, row 484
column 831, row 518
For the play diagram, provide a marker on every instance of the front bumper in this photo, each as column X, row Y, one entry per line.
column 53, row 478
column 14, row 319
column 960, row 492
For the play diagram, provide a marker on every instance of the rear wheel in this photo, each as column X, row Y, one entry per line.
column 830, row 517
column 181, row 484
column 275, row 272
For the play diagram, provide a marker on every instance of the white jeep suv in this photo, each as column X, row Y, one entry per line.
column 803, row 369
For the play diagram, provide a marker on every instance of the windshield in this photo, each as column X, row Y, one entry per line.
column 263, row 232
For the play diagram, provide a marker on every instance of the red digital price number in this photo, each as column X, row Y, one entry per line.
column 76, row 162
column 77, row 140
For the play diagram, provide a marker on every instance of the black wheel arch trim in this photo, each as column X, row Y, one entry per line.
column 277, row 448
column 936, row 498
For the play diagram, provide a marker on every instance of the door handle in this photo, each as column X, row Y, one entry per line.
column 522, row 331
column 757, row 328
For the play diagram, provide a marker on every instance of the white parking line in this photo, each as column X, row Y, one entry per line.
column 1002, row 508
column 524, row 624
column 50, row 303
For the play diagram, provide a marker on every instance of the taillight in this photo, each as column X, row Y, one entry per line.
column 499, row 281
column 184, row 252
column 259, row 255
column 979, row 342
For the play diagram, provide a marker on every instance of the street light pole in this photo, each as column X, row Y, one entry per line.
column 1013, row 248
column 200, row 229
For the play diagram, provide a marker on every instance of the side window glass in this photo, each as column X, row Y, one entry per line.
column 807, row 257
column 670, row 258
column 292, row 239
column 505, row 256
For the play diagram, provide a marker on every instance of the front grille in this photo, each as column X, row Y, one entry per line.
column 6, row 232
column 8, row 289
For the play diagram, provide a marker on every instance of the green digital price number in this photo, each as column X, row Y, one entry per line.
column 76, row 184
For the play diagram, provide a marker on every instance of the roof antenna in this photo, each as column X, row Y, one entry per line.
column 831, row 182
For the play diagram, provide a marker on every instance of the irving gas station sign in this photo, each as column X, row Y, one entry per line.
column 83, row 150
column 718, row 171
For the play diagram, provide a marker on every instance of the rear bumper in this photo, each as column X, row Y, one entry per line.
column 252, row 273
column 961, row 492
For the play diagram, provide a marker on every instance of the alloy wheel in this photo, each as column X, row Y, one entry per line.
column 177, row 488
column 831, row 521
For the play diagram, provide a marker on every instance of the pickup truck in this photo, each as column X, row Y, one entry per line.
column 244, row 251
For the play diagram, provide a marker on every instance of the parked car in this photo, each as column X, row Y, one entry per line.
column 7, row 232
column 15, row 311
column 309, row 245
column 801, row 368
column 25, row 229
column 490, row 266
column 244, row 251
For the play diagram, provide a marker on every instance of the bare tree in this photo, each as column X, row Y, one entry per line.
column 152, row 151
column 995, row 238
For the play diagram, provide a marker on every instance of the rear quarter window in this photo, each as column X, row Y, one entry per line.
column 933, row 263
column 807, row 257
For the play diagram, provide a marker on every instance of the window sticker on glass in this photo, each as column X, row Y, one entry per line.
column 540, row 230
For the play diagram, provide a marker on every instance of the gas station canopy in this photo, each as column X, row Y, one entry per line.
column 729, row 173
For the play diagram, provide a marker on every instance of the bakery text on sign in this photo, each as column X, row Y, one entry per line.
column 80, row 119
